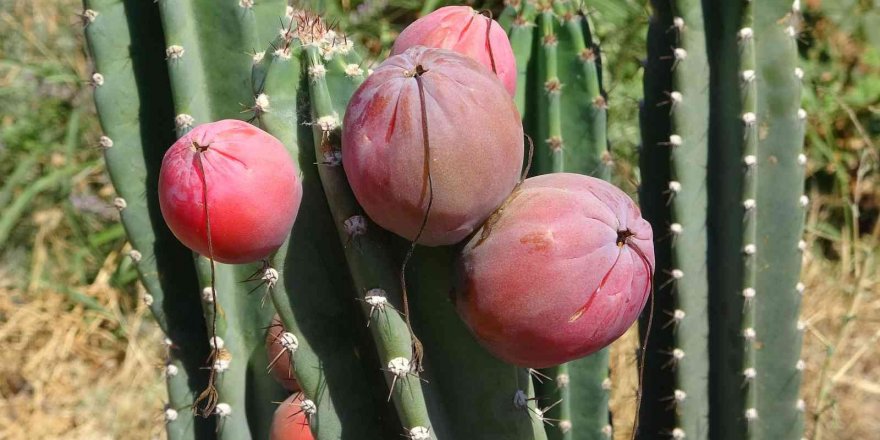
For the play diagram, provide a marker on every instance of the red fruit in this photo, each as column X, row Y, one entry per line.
column 564, row 270
column 466, row 31
column 253, row 192
column 279, row 357
column 475, row 142
column 290, row 422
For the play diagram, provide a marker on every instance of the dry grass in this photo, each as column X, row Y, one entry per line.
column 74, row 373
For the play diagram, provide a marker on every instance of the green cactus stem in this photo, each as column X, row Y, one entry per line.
column 134, row 105
column 373, row 270
column 675, row 201
column 325, row 361
column 780, row 211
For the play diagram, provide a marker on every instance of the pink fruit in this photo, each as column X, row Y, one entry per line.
column 475, row 143
column 563, row 271
column 253, row 192
column 466, row 31
column 279, row 357
column 290, row 422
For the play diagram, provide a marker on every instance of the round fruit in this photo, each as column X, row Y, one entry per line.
column 279, row 357
column 466, row 31
column 290, row 421
column 239, row 177
column 560, row 273
column 475, row 145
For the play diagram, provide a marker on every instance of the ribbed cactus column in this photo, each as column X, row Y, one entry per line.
column 314, row 292
column 677, row 94
column 372, row 266
column 780, row 208
column 755, row 217
column 732, row 183
column 135, row 109
column 564, row 111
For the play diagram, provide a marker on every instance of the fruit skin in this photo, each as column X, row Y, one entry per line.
column 253, row 191
column 463, row 30
column 281, row 368
column 475, row 144
column 290, row 422
column 564, row 229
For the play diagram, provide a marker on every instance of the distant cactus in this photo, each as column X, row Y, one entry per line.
column 722, row 183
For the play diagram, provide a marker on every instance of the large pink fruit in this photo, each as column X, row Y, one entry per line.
column 253, row 192
column 290, row 422
column 279, row 357
column 475, row 143
column 466, row 31
column 562, row 272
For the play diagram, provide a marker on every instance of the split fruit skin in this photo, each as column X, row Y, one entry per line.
column 279, row 357
column 253, row 191
column 475, row 144
column 468, row 32
column 564, row 269
column 290, row 421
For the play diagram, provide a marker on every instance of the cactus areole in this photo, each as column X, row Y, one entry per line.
column 466, row 31
column 431, row 127
column 559, row 273
column 235, row 178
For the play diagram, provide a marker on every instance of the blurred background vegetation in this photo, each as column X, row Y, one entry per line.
column 79, row 356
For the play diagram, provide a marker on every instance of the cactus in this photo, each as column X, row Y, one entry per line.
column 378, row 350
column 722, row 172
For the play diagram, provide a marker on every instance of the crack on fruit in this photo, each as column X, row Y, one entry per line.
column 488, row 14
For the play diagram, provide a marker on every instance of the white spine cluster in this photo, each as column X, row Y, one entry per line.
column 216, row 342
column 174, row 52
column 105, row 142
column 184, row 120
column 419, row 433
column 261, row 103
column 317, row 71
column 223, row 409
column 289, row 342
column 170, row 414
column 355, row 225
column 353, row 70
